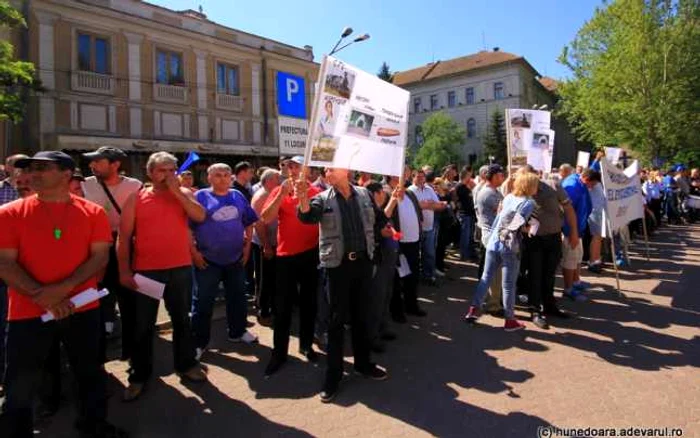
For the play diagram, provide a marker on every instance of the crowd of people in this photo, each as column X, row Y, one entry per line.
column 350, row 251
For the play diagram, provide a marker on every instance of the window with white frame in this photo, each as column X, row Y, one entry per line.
column 227, row 79
column 469, row 96
column 93, row 53
column 471, row 128
column 451, row 99
column 169, row 68
column 433, row 102
column 498, row 90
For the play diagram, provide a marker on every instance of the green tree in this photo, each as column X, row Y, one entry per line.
column 636, row 77
column 441, row 139
column 16, row 77
column 385, row 73
column 495, row 143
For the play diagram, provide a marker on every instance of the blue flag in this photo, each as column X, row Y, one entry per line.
column 192, row 158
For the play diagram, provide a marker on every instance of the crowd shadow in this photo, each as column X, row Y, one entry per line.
column 436, row 366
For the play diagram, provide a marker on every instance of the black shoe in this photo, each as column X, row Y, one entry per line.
column 388, row 336
column 329, row 392
column 399, row 318
column 276, row 362
column 539, row 321
column 373, row 372
column 309, row 354
column 555, row 312
column 378, row 347
column 416, row 312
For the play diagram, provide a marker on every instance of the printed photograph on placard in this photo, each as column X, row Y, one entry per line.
column 339, row 80
column 540, row 140
column 520, row 119
column 360, row 123
column 517, row 142
column 328, row 118
column 324, row 149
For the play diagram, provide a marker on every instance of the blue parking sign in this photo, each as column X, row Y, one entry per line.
column 291, row 95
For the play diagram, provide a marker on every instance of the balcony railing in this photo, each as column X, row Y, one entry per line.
column 229, row 102
column 170, row 93
column 92, row 82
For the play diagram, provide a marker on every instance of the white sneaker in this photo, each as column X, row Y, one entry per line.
column 198, row 352
column 247, row 338
column 439, row 273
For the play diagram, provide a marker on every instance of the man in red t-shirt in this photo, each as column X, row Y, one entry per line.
column 297, row 268
column 155, row 242
column 52, row 247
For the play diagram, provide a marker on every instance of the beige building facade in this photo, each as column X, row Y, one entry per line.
column 145, row 78
column 469, row 89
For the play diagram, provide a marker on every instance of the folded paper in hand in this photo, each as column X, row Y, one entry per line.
column 403, row 268
column 148, row 287
column 79, row 300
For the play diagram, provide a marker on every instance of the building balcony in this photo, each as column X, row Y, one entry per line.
column 170, row 93
column 90, row 82
column 229, row 102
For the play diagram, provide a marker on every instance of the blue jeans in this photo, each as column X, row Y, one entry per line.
column 509, row 262
column 428, row 247
column 466, row 236
column 233, row 277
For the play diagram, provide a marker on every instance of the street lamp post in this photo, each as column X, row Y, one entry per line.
column 346, row 33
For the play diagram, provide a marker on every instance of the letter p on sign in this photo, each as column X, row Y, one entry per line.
column 291, row 98
column 292, row 88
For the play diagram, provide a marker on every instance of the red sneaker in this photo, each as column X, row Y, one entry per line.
column 512, row 325
column 472, row 315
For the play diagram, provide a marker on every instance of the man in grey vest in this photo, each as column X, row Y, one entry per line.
column 345, row 216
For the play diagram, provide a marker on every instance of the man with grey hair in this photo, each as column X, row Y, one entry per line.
column 565, row 170
column 155, row 224
column 222, row 250
column 8, row 191
column 265, row 237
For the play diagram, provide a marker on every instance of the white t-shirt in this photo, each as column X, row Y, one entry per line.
column 410, row 231
column 426, row 194
column 94, row 192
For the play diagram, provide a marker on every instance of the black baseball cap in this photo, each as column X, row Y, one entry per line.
column 494, row 169
column 57, row 157
column 109, row 152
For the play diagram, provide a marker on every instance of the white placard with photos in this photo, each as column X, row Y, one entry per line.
column 359, row 121
column 522, row 125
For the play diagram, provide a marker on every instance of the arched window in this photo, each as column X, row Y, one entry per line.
column 471, row 128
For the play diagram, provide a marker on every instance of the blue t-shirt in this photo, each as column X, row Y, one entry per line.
column 220, row 236
column 580, row 200
column 595, row 165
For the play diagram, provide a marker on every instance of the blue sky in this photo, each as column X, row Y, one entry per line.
column 410, row 33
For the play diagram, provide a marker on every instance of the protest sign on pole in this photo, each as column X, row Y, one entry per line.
column 523, row 128
column 583, row 159
column 358, row 121
column 292, row 135
column 613, row 155
column 623, row 194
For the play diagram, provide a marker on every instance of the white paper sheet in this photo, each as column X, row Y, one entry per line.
column 148, row 287
column 82, row 299
column 403, row 267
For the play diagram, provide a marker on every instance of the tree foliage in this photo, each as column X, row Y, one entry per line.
column 15, row 76
column 442, row 137
column 636, row 77
column 385, row 73
column 495, row 143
